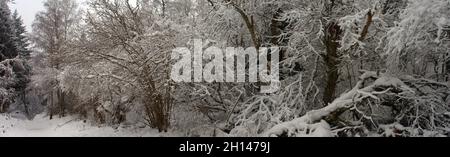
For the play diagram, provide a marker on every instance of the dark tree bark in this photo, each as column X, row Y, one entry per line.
column 332, row 62
column 332, row 57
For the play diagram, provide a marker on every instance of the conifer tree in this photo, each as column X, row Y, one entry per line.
column 20, row 39
column 7, row 46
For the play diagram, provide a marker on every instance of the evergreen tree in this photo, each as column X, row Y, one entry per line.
column 21, row 44
column 7, row 46
column 20, row 39
column 14, row 71
column 23, row 73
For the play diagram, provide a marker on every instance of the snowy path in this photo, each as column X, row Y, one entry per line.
column 41, row 126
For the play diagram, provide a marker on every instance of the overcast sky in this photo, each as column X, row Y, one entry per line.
column 27, row 9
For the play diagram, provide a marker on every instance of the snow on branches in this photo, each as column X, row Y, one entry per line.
column 413, row 107
column 422, row 33
column 9, row 81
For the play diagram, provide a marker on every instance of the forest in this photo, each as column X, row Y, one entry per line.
column 347, row 68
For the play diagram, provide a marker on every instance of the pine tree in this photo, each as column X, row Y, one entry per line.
column 22, row 74
column 21, row 44
column 13, row 54
column 20, row 39
column 7, row 46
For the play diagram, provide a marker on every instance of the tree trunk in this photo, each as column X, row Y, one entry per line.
column 61, row 102
column 331, row 59
column 51, row 105
column 249, row 22
column 25, row 103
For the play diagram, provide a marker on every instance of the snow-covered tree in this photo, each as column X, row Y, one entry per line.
column 420, row 42
column 8, row 48
column 126, row 55
column 20, row 36
column 317, row 38
column 53, row 33
column 348, row 67
column 379, row 105
column 392, row 103
column 13, row 69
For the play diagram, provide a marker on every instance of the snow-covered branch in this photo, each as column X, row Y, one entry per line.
column 384, row 86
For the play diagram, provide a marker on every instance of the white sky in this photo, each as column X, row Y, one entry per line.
column 27, row 9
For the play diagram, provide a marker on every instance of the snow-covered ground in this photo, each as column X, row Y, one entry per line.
column 41, row 126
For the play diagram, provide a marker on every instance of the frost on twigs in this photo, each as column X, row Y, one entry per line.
column 262, row 112
column 377, row 105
